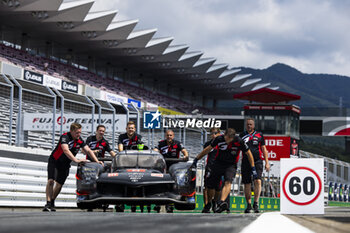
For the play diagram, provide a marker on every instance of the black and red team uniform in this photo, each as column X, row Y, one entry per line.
column 226, row 158
column 209, row 163
column 101, row 145
column 128, row 143
column 59, row 164
column 170, row 151
column 255, row 141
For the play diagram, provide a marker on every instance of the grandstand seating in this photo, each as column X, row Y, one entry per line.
column 34, row 139
column 69, row 72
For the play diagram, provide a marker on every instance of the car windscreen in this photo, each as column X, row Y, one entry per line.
column 151, row 161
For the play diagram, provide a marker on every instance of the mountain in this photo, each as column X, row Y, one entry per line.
column 316, row 90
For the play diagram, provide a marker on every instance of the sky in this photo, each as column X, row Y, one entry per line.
column 311, row 35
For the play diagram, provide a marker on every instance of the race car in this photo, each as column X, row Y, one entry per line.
column 136, row 178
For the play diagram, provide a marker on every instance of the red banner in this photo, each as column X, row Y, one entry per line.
column 277, row 147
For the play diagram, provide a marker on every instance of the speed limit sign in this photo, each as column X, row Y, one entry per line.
column 302, row 186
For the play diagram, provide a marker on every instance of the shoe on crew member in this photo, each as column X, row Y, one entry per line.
column 255, row 141
column 58, row 166
column 98, row 144
column 225, row 164
column 129, row 138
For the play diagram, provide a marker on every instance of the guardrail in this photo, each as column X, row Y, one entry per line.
column 23, row 184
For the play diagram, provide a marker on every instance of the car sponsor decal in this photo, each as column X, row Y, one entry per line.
column 135, row 176
column 113, row 174
column 157, row 175
column 136, row 170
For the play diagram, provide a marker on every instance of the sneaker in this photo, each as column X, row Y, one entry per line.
column 248, row 210
column 47, row 208
column 256, row 209
column 52, row 208
column 221, row 206
column 206, row 208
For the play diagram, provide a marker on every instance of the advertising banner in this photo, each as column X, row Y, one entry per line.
column 278, row 147
column 33, row 77
column 113, row 98
column 137, row 103
column 52, row 82
column 68, row 86
column 43, row 121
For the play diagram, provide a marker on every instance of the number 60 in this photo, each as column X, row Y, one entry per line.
column 295, row 186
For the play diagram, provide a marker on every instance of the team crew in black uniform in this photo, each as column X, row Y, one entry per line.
column 130, row 138
column 170, row 148
column 98, row 144
column 225, row 164
column 58, row 166
column 125, row 142
column 256, row 143
column 214, row 132
column 223, row 154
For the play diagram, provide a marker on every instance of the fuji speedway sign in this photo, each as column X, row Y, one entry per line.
column 44, row 121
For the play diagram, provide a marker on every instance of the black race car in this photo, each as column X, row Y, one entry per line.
column 136, row 178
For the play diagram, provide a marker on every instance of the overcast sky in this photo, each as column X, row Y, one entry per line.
column 310, row 35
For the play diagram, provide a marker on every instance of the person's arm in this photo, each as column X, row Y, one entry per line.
column 204, row 152
column 120, row 147
column 69, row 154
column 201, row 155
column 112, row 153
column 156, row 149
column 91, row 154
column 185, row 153
column 266, row 157
column 109, row 149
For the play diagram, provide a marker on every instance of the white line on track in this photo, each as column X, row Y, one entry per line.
column 274, row 222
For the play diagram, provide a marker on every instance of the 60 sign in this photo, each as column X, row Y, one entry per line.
column 302, row 186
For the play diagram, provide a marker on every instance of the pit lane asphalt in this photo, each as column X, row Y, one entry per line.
column 79, row 221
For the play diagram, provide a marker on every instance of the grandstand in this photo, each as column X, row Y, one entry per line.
column 84, row 77
column 137, row 67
